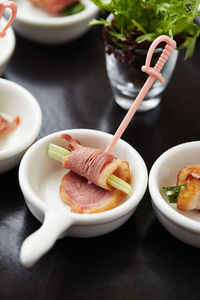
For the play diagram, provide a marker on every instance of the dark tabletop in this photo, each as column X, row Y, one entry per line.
column 140, row 260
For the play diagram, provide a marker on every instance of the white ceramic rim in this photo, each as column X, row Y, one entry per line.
column 84, row 15
column 101, row 217
column 34, row 131
column 157, row 197
column 6, row 55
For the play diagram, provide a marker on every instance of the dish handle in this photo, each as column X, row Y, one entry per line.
column 42, row 240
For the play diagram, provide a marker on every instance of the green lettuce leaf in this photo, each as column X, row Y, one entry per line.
column 172, row 192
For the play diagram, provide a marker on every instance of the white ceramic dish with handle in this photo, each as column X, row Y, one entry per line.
column 185, row 226
column 17, row 101
column 7, row 47
column 39, row 178
column 39, row 26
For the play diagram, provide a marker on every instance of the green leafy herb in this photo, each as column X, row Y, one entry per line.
column 172, row 192
column 154, row 18
column 100, row 22
column 73, row 9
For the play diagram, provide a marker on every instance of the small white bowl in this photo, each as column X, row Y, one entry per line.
column 17, row 101
column 39, row 178
column 7, row 46
column 185, row 226
column 37, row 25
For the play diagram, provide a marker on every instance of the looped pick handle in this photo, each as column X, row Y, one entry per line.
column 155, row 72
column 13, row 7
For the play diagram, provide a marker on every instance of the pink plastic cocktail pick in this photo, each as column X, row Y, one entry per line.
column 13, row 7
column 154, row 73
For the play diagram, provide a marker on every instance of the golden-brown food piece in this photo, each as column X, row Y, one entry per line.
column 189, row 196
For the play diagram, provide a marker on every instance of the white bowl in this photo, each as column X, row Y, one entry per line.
column 17, row 101
column 185, row 226
column 39, row 178
column 39, row 26
column 7, row 46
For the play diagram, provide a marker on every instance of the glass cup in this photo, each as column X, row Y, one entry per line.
column 126, row 80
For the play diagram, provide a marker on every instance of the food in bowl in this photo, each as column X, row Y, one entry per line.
column 17, row 105
column 187, row 191
column 40, row 26
column 97, row 181
column 39, row 178
column 60, row 7
column 7, row 127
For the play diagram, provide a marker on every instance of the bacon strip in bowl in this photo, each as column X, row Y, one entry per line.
column 7, row 127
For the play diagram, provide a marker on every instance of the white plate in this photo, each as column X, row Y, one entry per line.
column 37, row 25
column 40, row 177
column 183, row 225
column 7, row 46
column 17, row 101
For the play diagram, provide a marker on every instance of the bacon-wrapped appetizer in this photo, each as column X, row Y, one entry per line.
column 53, row 6
column 187, row 191
column 94, row 164
column 88, row 187
column 6, row 126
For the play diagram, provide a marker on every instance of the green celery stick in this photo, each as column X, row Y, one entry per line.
column 120, row 184
column 57, row 152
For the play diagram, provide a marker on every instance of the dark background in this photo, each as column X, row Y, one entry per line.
column 140, row 260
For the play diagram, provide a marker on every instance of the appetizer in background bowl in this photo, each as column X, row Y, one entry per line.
column 7, row 46
column 60, row 7
column 41, row 178
column 174, row 185
column 53, row 22
column 20, row 123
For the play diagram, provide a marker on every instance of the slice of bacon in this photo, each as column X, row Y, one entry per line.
column 6, row 126
column 93, row 164
column 83, row 197
column 53, row 6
